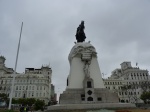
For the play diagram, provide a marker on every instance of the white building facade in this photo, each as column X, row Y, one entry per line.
column 129, row 82
column 34, row 83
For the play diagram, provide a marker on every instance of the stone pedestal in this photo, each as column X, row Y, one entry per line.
column 88, row 96
column 84, row 83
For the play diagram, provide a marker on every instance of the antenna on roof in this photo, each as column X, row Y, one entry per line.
column 49, row 64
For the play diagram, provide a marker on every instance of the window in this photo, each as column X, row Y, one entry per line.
column 83, row 97
column 41, row 88
column 37, row 94
column 16, row 87
column 20, row 88
column 15, row 94
column 24, row 96
column 32, row 87
column 23, row 87
column 89, row 85
column 99, row 99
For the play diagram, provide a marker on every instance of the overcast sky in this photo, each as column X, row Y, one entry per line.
column 119, row 30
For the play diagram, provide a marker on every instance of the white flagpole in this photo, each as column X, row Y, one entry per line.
column 14, row 74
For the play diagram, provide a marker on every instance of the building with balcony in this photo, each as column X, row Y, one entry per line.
column 129, row 82
column 34, row 83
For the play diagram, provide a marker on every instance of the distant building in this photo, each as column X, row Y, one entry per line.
column 129, row 82
column 34, row 83
column 53, row 95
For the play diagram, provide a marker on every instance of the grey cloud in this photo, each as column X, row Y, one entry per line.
column 119, row 30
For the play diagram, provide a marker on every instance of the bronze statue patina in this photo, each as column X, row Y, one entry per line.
column 80, row 35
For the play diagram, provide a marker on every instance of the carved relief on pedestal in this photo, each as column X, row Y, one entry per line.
column 82, row 50
column 87, row 69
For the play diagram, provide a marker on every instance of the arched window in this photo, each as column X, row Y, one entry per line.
column 89, row 99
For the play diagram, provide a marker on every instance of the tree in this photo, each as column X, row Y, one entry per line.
column 3, row 96
column 145, row 86
column 39, row 105
column 22, row 101
column 145, row 96
column 31, row 101
column 14, row 101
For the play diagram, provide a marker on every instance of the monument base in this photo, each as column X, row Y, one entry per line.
column 88, row 96
column 91, row 106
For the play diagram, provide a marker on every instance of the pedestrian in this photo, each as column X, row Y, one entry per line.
column 25, row 109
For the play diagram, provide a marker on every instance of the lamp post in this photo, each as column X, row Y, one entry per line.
column 14, row 74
